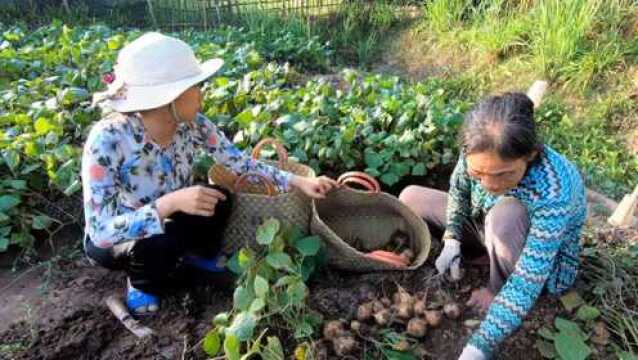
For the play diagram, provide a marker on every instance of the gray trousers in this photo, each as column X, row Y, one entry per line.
column 502, row 231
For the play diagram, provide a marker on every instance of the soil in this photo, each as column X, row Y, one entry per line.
column 69, row 320
column 56, row 310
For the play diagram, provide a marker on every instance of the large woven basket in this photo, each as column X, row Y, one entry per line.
column 257, row 199
column 221, row 175
column 353, row 222
column 251, row 210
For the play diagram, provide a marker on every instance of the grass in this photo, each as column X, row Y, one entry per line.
column 586, row 48
column 353, row 30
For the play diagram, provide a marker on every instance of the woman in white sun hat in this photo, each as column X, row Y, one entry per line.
column 143, row 213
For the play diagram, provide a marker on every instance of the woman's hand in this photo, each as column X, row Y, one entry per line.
column 194, row 200
column 316, row 188
column 470, row 352
column 450, row 259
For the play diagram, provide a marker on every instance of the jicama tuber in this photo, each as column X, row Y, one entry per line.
column 364, row 312
column 383, row 317
column 419, row 307
column 408, row 255
column 404, row 310
column 433, row 317
column 344, row 345
column 452, row 310
column 377, row 306
column 399, row 239
column 333, row 329
column 417, row 327
column 355, row 326
column 403, row 297
column 402, row 345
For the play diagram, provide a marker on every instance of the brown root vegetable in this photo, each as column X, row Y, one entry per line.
column 396, row 298
column 344, row 345
column 433, row 317
column 364, row 312
column 355, row 326
column 402, row 345
column 333, row 329
column 383, row 317
column 404, row 310
column 377, row 306
column 408, row 255
column 417, row 327
column 386, row 301
column 601, row 334
column 403, row 297
column 419, row 307
column 452, row 310
column 400, row 239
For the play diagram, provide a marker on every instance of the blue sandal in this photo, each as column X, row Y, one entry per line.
column 141, row 303
column 216, row 264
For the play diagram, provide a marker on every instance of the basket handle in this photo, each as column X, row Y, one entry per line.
column 282, row 154
column 241, row 181
column 360, row 178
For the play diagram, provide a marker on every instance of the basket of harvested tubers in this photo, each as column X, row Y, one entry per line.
column 369, row 230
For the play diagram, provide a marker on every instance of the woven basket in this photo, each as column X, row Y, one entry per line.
column 251, row 210
column 219, row 174
column 352, row 222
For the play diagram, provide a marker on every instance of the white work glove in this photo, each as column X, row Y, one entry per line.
column 450, row 258
column 471, row 352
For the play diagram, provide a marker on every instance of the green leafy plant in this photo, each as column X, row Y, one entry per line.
column 569, row 341
column 271, row 293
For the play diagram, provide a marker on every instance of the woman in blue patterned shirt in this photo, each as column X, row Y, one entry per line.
column 143, row 213
column 518, row 200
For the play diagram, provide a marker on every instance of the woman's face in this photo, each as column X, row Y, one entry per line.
column 189, row 104
column 496, row 175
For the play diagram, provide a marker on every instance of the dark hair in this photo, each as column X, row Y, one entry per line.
column 504, row 124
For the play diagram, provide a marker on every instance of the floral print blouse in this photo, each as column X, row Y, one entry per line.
column 124, row 172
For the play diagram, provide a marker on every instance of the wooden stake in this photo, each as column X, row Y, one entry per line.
column 120, row 311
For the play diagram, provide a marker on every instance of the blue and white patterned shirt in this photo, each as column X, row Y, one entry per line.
column 554, row 195
column 124, row 172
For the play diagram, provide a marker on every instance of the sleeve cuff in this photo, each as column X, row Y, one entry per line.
column 159, row 228
column 471, row 352
column 479, row 344
column 286, row 177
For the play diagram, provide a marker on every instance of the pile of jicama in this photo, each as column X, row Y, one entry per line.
column 410, row 312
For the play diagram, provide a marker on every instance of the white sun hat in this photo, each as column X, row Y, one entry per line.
column 152, row 71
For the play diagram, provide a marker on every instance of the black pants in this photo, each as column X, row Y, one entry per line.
column 154, row 263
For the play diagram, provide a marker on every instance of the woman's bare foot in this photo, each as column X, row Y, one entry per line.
column 480, row 300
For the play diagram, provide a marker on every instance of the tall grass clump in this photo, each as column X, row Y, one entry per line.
column 559, row 29
column 575, row 42
column 445, row 15
column 357, row 28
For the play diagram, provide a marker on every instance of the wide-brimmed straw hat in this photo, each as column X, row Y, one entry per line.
column 152, row 71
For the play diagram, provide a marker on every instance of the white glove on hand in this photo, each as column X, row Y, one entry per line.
column 471, row 352
column 450, row 258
